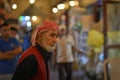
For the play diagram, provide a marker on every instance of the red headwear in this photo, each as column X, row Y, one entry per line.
column 45, row 26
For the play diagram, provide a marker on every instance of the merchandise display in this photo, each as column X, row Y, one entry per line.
column 95, row 38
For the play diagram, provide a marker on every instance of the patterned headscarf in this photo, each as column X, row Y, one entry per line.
column 45, row 26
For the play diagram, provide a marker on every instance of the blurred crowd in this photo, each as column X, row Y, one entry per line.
column 68, row 57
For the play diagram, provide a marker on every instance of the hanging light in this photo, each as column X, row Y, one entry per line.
column 34, row 18
column 73, row 3
column 54, row 10
column 61, row 6
column 27, row 18
column 14, row 6
column 29, row 24
column 31, row 1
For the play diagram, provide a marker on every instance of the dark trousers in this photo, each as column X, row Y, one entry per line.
column 65, row 69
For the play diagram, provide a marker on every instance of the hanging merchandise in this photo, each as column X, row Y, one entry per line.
column 95, row 38
column 77, row 26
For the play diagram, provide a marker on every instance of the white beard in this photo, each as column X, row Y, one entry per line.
column 47, row 47
column 50, row 49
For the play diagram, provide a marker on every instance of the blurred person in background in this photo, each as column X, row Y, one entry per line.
column 64, row 55
column 9, row 50
column 14, row 32
column 26, row 39
column 33, row 63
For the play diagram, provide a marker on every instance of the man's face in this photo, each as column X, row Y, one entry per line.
column 5, row 32
column 48, row 40
column 62, row 32
column 13, row 33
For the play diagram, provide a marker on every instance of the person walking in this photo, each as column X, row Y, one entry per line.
column 64, row 55
column 33, row 64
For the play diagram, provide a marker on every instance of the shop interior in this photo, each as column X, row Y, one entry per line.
column 94, row 24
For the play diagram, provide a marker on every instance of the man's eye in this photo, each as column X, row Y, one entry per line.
column 52, row 35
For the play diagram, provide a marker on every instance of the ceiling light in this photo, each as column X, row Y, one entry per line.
column 14, row 6
column 34, row 18
column 31, row 1
column 72, row 3
column 61, row 6
column 54, row 10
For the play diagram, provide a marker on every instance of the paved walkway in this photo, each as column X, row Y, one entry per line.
column 77, row 75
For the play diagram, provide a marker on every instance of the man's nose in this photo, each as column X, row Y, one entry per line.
column 55, row 40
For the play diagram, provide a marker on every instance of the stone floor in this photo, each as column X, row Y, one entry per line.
column 77, row 75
